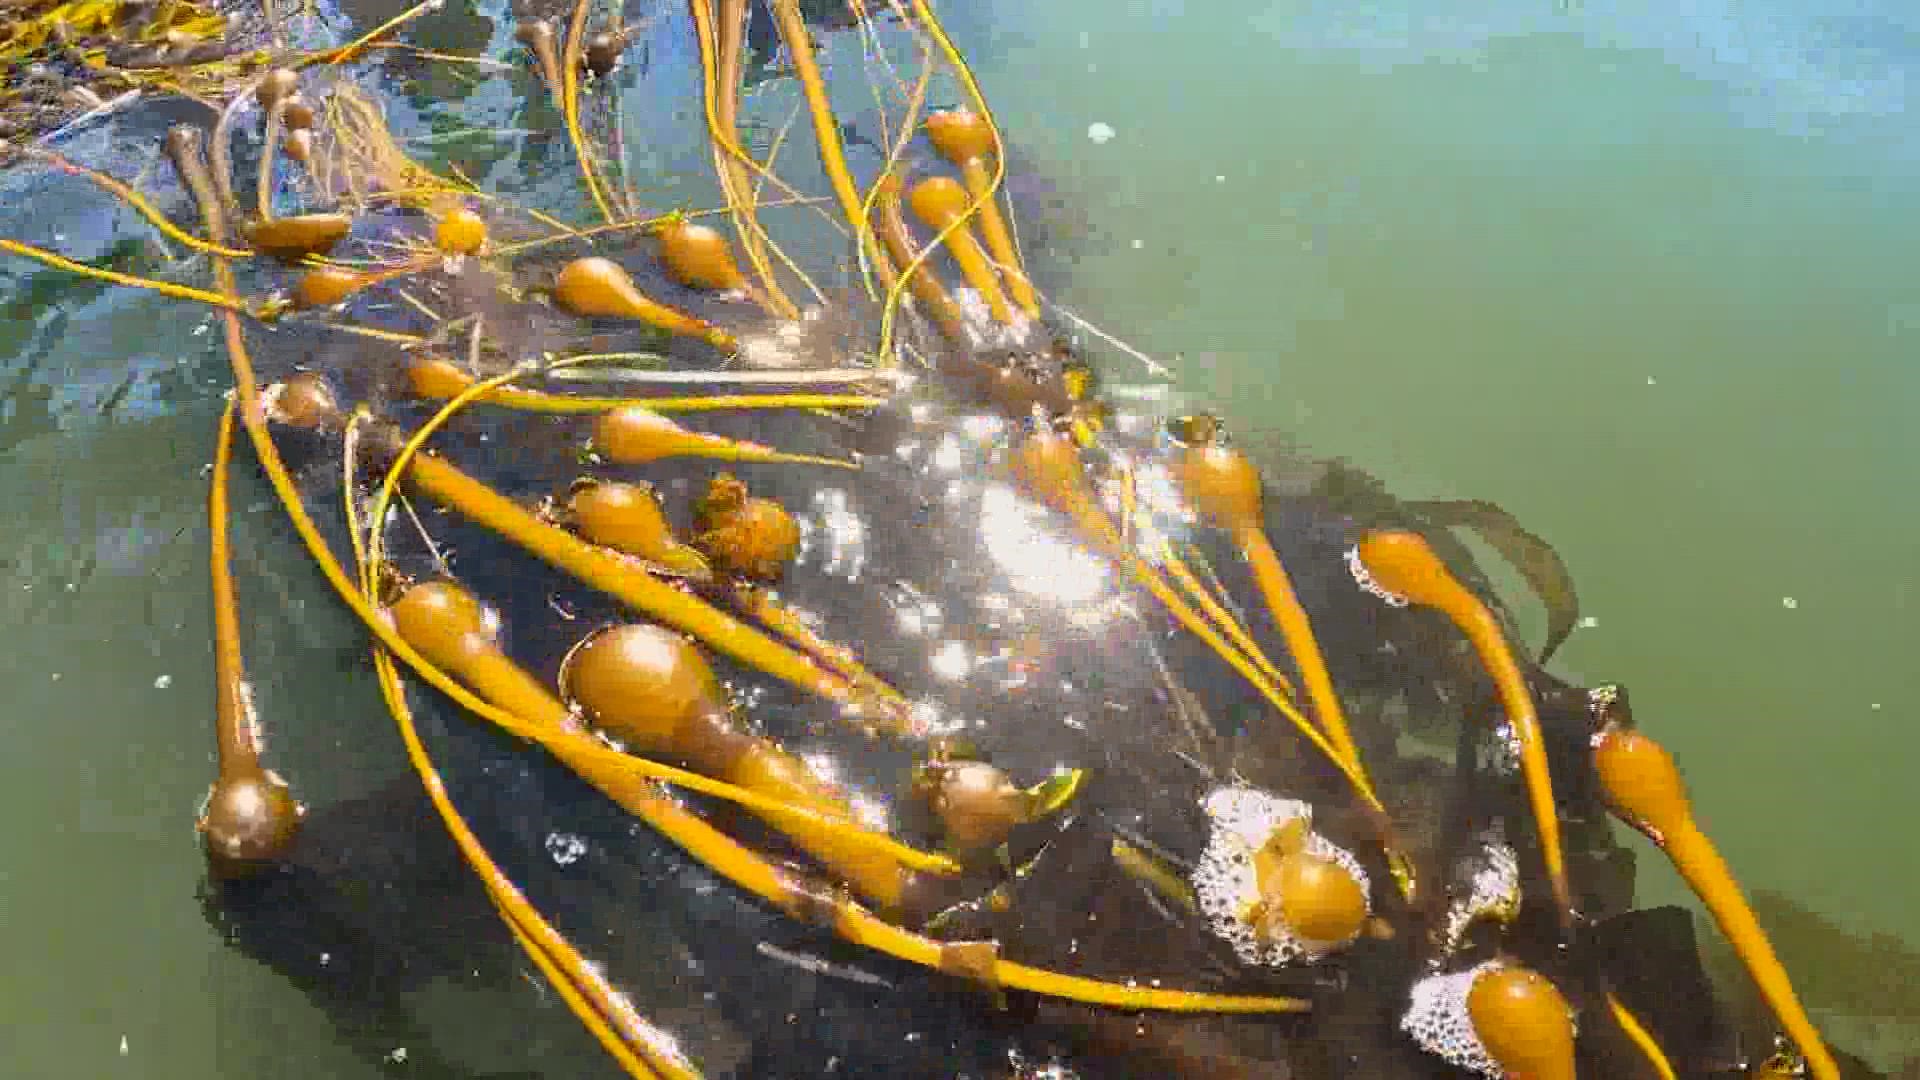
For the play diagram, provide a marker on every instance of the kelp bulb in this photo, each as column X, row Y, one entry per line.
column 1404, row 564
column 627, row 517
column 304, row 400
column 635, row 435
column 938, row 199
column 298, row 145
column 699, row 257
column 325, row 286
column 603, row 51
column 1640, row 778
column 594, row 286
column 1524, row 1023
column 251, row 818
column 459, row 231
column 297, row 114
column 641, row 683
column 1221, row 484
column 1318, row 899
column 291, row 239
column 275, row 87
column 961, row 135
column 977, row 804
column 443, row 621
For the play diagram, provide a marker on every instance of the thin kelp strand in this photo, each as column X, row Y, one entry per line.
column 1641, row 1038
column 585, row 992
column 137, row 202
column 354, row 48
column 730, row 161
column 570, row 105
column 165, row 288
column 826, row 129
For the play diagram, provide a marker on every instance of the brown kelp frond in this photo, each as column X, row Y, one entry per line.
column 1539, row 565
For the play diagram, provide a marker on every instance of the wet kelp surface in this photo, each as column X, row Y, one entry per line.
column 806, row 663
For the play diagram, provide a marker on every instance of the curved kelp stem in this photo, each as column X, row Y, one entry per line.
column 891, row 225
column 966, row 139
column 136, row 201
column 251, row 818
column 1645, row 789
column 114, row 277
column 1403, row 565
column 570, row 106
column 432, row 377
column 721, row 78
column 761, row 650
column 1640, row 1037
column 826, row 129
column 641, row 1049
column 1225, row 488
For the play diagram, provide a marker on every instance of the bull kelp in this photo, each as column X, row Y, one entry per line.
column 786, row 564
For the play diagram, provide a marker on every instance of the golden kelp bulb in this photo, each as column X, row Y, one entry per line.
column 603, row 51
column 459, row 231
column 1403, row 563
column 251, row 818
column 297, row 114
column 634, row 435
column 1313, row 897
column 594, row 286
column 304, row 400
column 1320, row 900
column 961, row 135
column 436, row 378
column 325, row 286
column 627, row 517
column 443, row 621
column 643, row 684
column 291, row 239
column 938, row 200
column 276, row 86
column 298, row 145
column 1524, row 1023
column 744, row 535
column 977, row 804
column 597, row 287
column 1641, row 780
column 699, row 257
column 1221, row 484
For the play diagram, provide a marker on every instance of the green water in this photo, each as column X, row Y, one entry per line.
column 1642, row 278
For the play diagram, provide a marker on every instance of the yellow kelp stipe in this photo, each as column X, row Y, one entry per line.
column 1402, row 564
column 1645, row 788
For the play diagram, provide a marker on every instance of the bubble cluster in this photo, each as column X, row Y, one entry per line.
column 1437, row 1019
column 1224, row 880
column 1493, row 890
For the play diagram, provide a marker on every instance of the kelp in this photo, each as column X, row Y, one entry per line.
column 873, row 633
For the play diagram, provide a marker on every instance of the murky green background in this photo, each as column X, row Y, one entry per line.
column 1644, row 277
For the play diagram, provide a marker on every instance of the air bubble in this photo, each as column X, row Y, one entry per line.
column 565, row 848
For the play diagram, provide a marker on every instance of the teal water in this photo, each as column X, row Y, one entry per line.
column 1639, row 273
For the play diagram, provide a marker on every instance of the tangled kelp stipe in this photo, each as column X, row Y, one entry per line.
column 786, row 629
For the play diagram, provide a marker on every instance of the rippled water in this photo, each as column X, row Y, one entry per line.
column 1641, row 273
